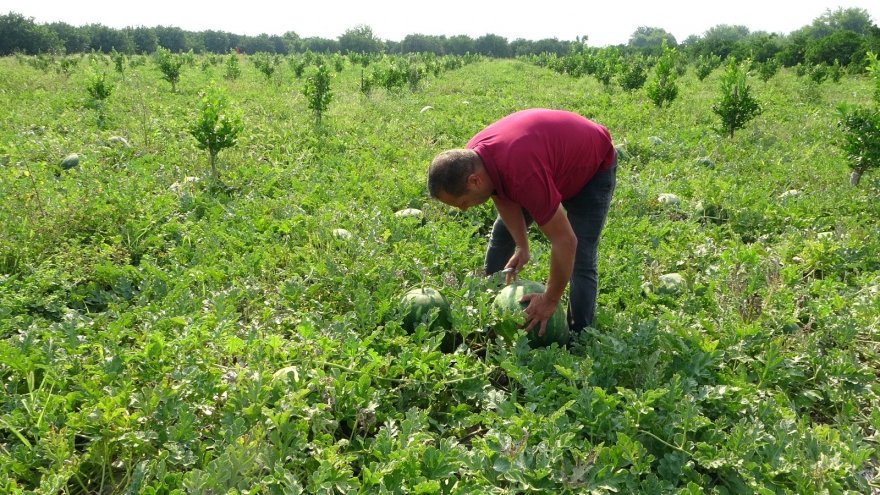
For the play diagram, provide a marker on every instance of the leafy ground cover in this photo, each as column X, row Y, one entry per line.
column 160, row 333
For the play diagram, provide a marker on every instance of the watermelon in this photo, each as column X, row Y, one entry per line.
column 408, row 213
column 668, row 199
column 672, row 283
column 510, row 315
column 418, row 303
column 118, row 141
column 70, row 161
column 669, row 284
column 342, row 234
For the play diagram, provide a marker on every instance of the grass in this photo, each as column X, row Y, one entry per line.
column 162, row 334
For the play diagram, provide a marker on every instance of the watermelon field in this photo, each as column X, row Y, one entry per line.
column 166, row 329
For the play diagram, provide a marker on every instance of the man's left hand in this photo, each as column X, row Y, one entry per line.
column 538, row 312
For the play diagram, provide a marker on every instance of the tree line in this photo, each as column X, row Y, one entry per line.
column 845, row 35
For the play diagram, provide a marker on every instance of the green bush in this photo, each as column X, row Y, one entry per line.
column 662, row 89
column 861, row 139
column 737, row 105
column 216, row 125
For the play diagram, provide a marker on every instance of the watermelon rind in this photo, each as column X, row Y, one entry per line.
column 418, row 303
column 510, row 315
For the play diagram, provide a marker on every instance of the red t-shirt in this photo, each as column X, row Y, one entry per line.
column 537, row 158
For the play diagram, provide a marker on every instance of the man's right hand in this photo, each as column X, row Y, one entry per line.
column 516, row 263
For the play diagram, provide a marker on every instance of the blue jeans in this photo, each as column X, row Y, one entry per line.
column 587, row 212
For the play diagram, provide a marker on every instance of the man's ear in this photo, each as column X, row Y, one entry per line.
column 474, row 179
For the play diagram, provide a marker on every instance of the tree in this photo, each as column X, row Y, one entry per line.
column 99, row 89
column 216, row 41
column 293, row 41
column 170, row 64
column 318, row 93
column 266, row 63
column 737, row 106
column 459, row 45
column 852, row 19
column 320, row 45
column 171, row 38
column 144, row 39
column 662, row 88
column 758, row 46
column 257, row 44
column 649, row 40
column 106, row 39
column 861, row 129
column 633, row 73
column 216, row 125
column 844, row 46
column 793, row 47
column 20, row 34
column 360, row 39
column 420, row 43
column 719, row 40
column 522, row 47
column 73, row 39
column 492, row 45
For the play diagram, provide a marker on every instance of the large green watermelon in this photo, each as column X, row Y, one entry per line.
column 509, row 312
column 418, row 304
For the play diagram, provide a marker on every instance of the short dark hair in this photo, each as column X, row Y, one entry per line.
column 449, row 172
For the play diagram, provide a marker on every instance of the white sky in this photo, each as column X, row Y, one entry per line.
column 605, row 22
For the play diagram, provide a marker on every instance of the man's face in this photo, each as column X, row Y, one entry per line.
column 472, row 197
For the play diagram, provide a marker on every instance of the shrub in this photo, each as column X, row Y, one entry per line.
column 216, row 125
column 663, row 89
column 317, row 92
column 706, row 64
column 266, row 63
column 768, row 69
column 737, row 106
column 233, row 67
column 861, row 139
column 170, row 65
column 633, row 74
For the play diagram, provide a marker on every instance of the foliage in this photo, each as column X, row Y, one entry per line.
column 766, row 70
column 160, row 335
column 873, row 68
column 662, row 88
column 266, row 63
column 633, row 73
column 649, row 40
column 233, row 67
column 99, row 88
column 20, row 34
column 216, row 125
column 845, row 46
column 67, row 64
column 817, row 73
column 737, row 106
column 118, row 61
column 318, row 92
column 720, row 40
column 706, row 64
column 360, row 39
column 861, row 137
column 170, row 64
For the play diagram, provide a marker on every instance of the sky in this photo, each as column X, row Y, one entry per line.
column 606, row 22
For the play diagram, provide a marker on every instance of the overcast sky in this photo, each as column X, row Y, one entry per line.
column 606, row 22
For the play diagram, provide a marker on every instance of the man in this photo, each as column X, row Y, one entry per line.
column 552, row 167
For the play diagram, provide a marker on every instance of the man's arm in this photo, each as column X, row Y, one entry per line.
column 563, row 244
column 512, row 216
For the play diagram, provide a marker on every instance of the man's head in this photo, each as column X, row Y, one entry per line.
column 457, row 177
